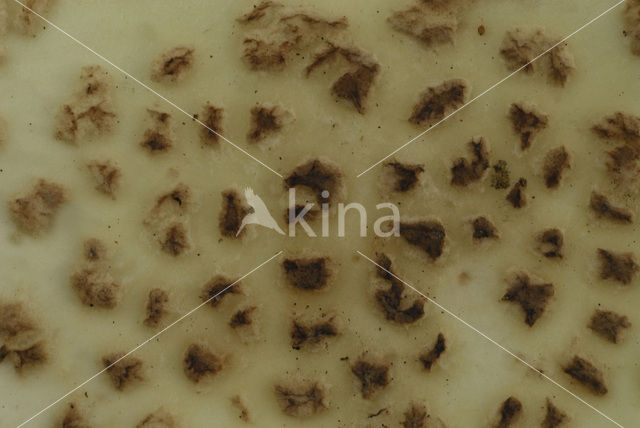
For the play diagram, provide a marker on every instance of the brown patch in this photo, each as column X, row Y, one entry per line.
column 517, row 196
column 415, row 417
column 428, row 235
column 551, row 243
column 244, row 411
column 175, row 240
column 372, row 376
column 14, row 321
column 217, row 288
column 35, row 211
column 439, row 101
column 620, row 267
column 94, row 286
column 106, row 176
column 124, row 373
column 89, row 111
column 259, row 12
column 242, row 317
column 430, row 357
column 483, row 229
column 200, row 362
column 156, row 307
column 266, row 121
column 604, row 209
column 561, row 64
column 73, row 418
column 405, row 176
column 426, row 22
column 585, row 373
column 317, row 176
column 263, row 55
column 94, row 250
column 173, row 65
column 555, row 162
column 158, row 137
column 32, row 356
column 27, row 23
column 231, row 215
column 464, row 172
column 527, row 122
column 158, row 419
column 305, row 334
column 554, row 417
column 510, row 412
column 302, row 400
column 355, row 86
column 608, row 324
column 308, row 273
column 212, row 117
column 619, row 127
column 391, row 301
column 632, row 24
column 481, row 30
column 533, row 298
column 500, row 175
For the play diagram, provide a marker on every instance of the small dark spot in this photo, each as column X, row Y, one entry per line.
column 439, row 101
column 125, row 372
column 307, row 274
column 427, row 235
column 604, row 209
column 585, row 373
column 517, row 196
column 533, row 298
column 551, row 243
column 527, row 122
column 608, row 324
column 156, row 307
column 311, row 333
column 483, row 229
column 464, row 172
column 430, row 357
column 621, row 267
column 94, row 250
column 500, row 175
column 217, row 288
column 373, row 377
column 555, row 162
column 301, row 400
column 200, row 362
column 481, row 30
column 510, row 412
column 405, row 175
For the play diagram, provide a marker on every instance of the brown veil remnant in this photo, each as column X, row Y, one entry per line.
column 307, row 273
column 173, row 65
column 106, row 176
column 306, row 334
column 392, row 301
column 438, row 102
column 623, row 130
column 156, row 309
column 510, row 413
column 302, row 399
column 483, row 229
column 415, row 417
column 404, row 176
column 587, row 374
column 168, row 220
column 159, row 418
column 124, row 372
column 428, row 235
column 318, row 176
column 27, row 23
column 217, row 288
column 517, row 196
column 463, row 171
column 231, row 214
column 267, row 120
column 604, row 209
column 92, row 281
column 34, row 212
column 201, row 363
column 212, row 117
column 554, row 417
column 90, row 111
column 527, row 122
column 551, row 243
column 632, row 24
column 556, row 161
column 608, row 325
column 533, row 298
column 73, row 418
column 429, row 357
column 22, row 337
column 372, row 376
column 619, row 267
column 158, row 137
column 520, row 47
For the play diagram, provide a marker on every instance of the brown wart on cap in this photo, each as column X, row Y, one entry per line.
column 307, row 273
column 431, row 356
column 483, row 229
column 34, row 212
column 124, row 372
column 551, row 243
column 533, row 298
column 218, row 288
column 157, row 419
column 604, row 209
column 405, row 176
column 200, row 362
column 212, row 117
column 307, row 334
column 31, row 356
column 73, row 418
column 439, row 101
column 243, row 317
column 303, row 399
column 259, row 12
column 500, row 175
column 373, row 377
column 267, row 120
column 464, row 172
column 620, row 267
column 391, row 301
column 619, row 127
column 156, row 307
column 317, row 176
column 554, row 417
column 555, row 162
column 354, row 86
column 429, row 235
column 175, row 240
column 15, row 321
column 158, row 137
column 106, row 176
column 173, row 65
column 431, row 22
column 95, row 288
column 587, row 374
column 517, row 196
column 608, row 324
column 231, row 215
column 510, row 412
column 527, row 122
column 415, row 417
